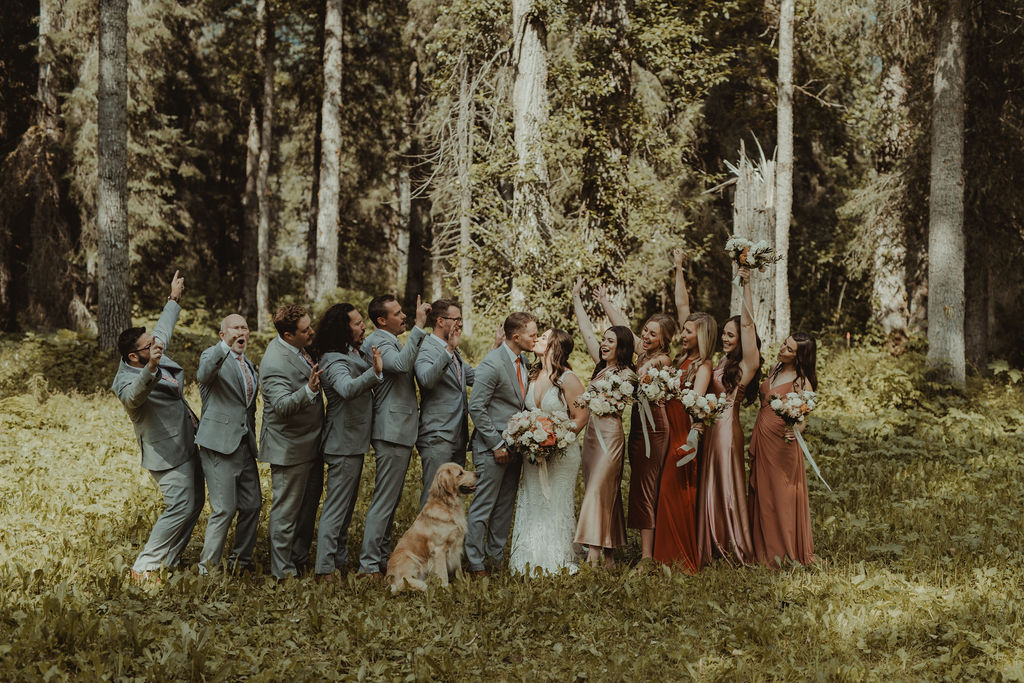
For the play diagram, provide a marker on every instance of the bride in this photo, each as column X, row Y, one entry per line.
column 544, row 526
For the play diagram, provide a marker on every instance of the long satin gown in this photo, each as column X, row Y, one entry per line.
column 723, row 521
column 675, row 529
column 601, row 521
column 780, row 514
column 644, row 472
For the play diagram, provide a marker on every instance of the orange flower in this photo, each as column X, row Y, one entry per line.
column 545, row 422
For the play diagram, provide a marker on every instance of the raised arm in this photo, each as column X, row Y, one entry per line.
column 399, row 361
column 748, row 333
column 682, row 296
column 210, row 363
column 615, row 316
column 339, row 376
column 431, row 364
column 583, row 320
column 165, row 325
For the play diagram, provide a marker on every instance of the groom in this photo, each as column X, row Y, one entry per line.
column 499, row 392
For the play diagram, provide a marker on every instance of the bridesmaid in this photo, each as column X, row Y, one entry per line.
column 601, row 525
column 723, row 522
column 780, row 515
column 675, row 528
column 646, row 452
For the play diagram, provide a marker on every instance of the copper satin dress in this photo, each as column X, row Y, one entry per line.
column 780, row 515
column 675, row 529
column 723, row 522
column 601, row 521
column 644, row 472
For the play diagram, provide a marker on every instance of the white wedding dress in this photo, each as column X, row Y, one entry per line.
column 545, row 527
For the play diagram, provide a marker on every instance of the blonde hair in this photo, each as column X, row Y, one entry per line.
column 707, row 336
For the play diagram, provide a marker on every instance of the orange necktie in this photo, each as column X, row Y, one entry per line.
column 519, row 374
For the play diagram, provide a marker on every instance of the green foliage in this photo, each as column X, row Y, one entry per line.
column 918, row 573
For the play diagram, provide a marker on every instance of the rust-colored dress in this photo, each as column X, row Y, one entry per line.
column 675, row 529
column 780, row 515
column 601, row 521
column 723, row 522
column 645, row 472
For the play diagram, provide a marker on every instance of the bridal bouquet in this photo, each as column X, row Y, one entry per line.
column 794, row 406
column 754, row 255
column 706, row 408
column 660, row 384
column 793, row 409
column 538, row 436
column 608, row 395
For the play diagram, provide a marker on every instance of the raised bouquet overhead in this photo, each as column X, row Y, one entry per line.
column 755, row 255
column 538, row 436
column 610, row 394
column 657, row 385
column 794, row 406
column 706, row 408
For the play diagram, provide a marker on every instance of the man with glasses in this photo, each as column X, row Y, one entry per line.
column 150, row 385
column 443, row 377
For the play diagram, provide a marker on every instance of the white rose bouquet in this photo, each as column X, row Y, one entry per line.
column 754, row 255
column 538, row 437
column 609, row 395
column 793, row 408
column 660, row 384
column 704, row 408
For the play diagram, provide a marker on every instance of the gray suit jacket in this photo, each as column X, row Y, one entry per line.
column 157, row 406
column 227, row 418
column 347, row 381
column 496, row 398
column 394, row 399
column 444, row 411
column 291, row 422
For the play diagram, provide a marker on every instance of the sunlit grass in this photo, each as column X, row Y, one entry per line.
column 920, row 570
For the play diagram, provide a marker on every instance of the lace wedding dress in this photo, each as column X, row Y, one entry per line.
column 544, row 527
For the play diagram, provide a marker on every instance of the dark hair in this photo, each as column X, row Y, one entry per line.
column 439, row 309
column 731, row 367
column 560, row 347
column 517, row 322
column 376, row 309
column 127, row 340
column 287, row 317
column 334, row 333
column 623, row 349
column 668, row 331
column 805, row 361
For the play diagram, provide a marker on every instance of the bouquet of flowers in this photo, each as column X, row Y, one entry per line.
column 609, row 395
column 794, row 406
column 538, row 437
column 660, row 384
column 793, row 409
column 705, row 408
column 754, row 255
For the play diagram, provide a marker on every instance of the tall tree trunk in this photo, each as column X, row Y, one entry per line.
column 531, row 207
column 113, row 271
column 464, row 163
column 251, row 211
column 314, row 197
column 784, row 169
column 330, row 138
column 946, row 353
column 263, row 315
column 753, row 217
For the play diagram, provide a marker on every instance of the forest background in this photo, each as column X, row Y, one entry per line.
column 443, row 178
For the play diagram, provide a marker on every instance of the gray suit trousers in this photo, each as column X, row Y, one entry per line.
column 392, row 464
column 182, row 489
column 297, row 490
column 343, row 472
column 434, row 452
column 490, row 513
column 233, row 484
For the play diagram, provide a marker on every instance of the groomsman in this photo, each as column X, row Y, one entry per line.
column 394, row 423
column 150, row 384
column 227, row 445
column 443, row 377
column 293, row 414
column 499, row 392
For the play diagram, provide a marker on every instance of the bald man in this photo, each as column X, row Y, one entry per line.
column 227, row 446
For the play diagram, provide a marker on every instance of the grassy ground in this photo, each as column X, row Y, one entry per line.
column 920, row 573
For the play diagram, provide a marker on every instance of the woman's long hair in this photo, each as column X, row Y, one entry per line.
column 707, row 336
column 560, row 346
column 668, row 332
column 334, row 333
column 623, row 350
column 805, row 362
column 731, row 371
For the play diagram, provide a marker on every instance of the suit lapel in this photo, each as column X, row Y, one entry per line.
column 510, row 366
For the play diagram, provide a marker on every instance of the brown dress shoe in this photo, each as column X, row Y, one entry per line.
column 479, row 574
column 325, row 578
column 372, row 576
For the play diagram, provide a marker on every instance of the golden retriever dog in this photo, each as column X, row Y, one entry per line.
column 433, row 545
